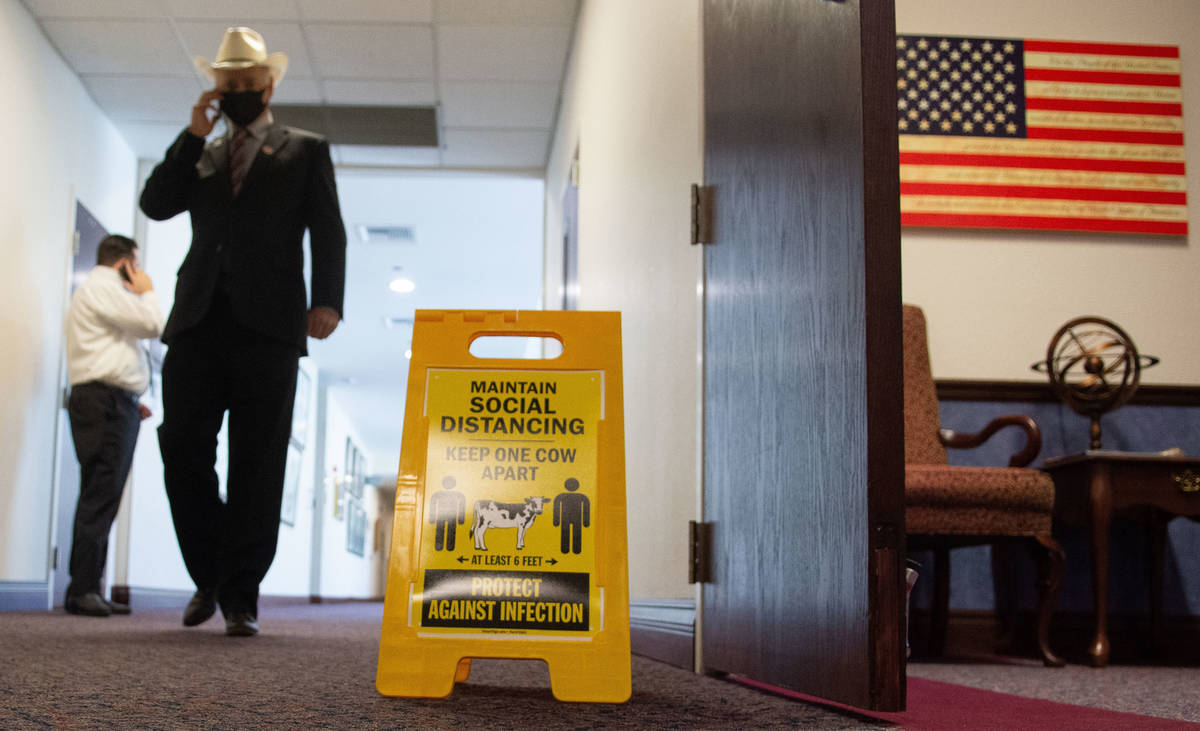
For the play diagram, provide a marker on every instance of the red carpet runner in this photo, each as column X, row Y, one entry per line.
column 936, row 706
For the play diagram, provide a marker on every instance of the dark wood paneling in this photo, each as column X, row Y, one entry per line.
column 1032, row 392
column 802, row 344
column 364, row 125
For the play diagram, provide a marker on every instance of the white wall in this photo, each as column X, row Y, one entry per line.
column 155, row 561
column 994, row 299
column 57, row 147
column 289, row 574
column 344, row 574
column 632, row 107
column 154, row 558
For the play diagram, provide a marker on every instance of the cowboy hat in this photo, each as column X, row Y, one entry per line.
column 242, row 48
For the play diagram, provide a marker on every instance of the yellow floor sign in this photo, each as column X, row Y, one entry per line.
column 509, row 532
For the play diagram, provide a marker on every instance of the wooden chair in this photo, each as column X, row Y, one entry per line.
column 948, row 507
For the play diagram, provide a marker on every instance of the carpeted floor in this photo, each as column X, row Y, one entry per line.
column 1166, row 692
column 314, row 667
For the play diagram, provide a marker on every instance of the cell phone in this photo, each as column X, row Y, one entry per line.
column 124, row 271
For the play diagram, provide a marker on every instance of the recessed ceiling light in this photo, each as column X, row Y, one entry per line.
column 401, row 285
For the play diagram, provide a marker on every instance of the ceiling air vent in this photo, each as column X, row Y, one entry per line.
column 387, row 234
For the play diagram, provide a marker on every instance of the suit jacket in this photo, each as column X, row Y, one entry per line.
column 251, row 245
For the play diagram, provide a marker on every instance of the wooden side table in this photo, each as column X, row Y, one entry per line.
column 1090, row 487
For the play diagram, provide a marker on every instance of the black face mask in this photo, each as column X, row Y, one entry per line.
column 243, row 107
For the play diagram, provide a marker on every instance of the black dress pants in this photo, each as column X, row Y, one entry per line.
column 215, row 368
column 104, row 426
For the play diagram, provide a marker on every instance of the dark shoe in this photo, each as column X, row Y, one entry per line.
column 241, row 624
column 90, row 604
column 117, row 607
column 202, row 606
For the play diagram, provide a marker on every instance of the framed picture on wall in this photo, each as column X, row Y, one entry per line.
column 360, row 475
column 351, row 463
column 356, row 528
column 300, row 408
column 356, row 467
column 291, row 486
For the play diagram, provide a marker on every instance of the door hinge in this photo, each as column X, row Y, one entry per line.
column 699, row 552
column 54, row 559
column 702, row 214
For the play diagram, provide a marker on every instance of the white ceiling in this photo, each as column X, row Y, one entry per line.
column 477, row 245
column 493, row 68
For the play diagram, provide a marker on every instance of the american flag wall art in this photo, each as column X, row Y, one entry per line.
column 1046, row 135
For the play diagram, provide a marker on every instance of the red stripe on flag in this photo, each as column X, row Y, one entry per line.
column 1104, row 135
column 1049, row 163
column 1101, row 77
column 1105, row 49
column 1159, row 109
column 1046, row 223
column 1113, row 195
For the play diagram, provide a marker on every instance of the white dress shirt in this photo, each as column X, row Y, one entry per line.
column 104, row 323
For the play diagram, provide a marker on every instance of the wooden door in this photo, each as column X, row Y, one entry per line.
column 803, row 463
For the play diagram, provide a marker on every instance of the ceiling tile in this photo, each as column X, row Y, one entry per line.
column 244, row 12
column 495, row 148
column 297, row 91
column 203, row 38
column 475, row 104
column 386, row 93
column 387, row 156
column 372, row 51
column 108, row 9
column 502, row 54
column 118, row 47
column 391, row 11
column 506, row 12
column 145, row 98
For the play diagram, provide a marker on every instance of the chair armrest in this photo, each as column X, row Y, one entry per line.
column 1033, row 437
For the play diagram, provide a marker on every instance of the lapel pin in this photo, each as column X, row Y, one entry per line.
column 268, row 150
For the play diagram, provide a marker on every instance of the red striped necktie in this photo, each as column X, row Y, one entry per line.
column 237, row 159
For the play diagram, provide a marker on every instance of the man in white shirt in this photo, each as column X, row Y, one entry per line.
column 110, row 311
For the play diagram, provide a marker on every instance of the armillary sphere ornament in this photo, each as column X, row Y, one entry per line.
column 1094, row 368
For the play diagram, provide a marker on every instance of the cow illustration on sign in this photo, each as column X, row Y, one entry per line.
column 447, row 510
column 572, row 510
column 492, row 514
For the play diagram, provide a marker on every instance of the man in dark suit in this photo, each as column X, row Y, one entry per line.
column 240, row 318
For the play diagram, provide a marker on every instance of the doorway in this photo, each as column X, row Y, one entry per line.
column 88, row 234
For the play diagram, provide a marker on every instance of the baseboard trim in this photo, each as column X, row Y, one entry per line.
column 315, row 599
column 145, row 598
column 18, row 596
column 24, row 596
column 664, row 630
column 140, row 597
column 971, row 633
